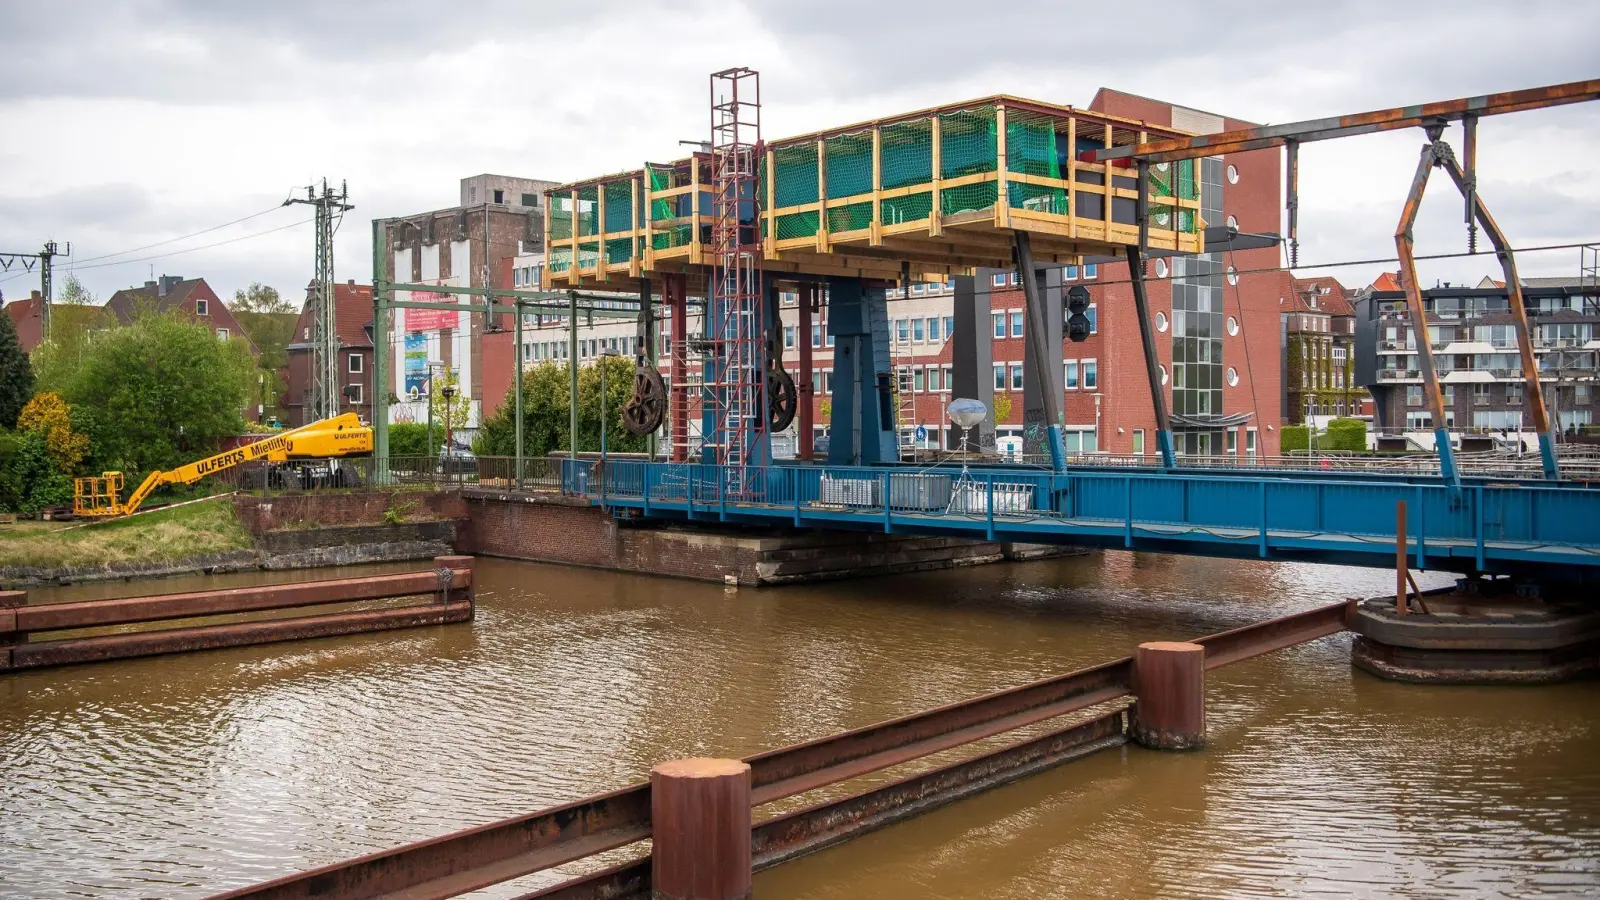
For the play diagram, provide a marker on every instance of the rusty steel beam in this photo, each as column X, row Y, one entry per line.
column 477, row 857
column 1359, row 123
column 125, row 610
column 211, row 637
column 1239, row 644
column 489, row 854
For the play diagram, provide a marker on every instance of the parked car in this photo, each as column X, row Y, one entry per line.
column 456, row 460
column 819, row 448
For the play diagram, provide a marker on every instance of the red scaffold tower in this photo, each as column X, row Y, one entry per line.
column 735, row 321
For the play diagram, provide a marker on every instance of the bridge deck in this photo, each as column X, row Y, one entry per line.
column 1546, row 530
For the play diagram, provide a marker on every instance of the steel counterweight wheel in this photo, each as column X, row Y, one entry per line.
column 647, row 408
column 782, row 399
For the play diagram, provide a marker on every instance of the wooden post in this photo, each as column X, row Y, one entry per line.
column 1169, row 682
column 935, row 216
column 600, row 231
column 9, row 636
column 700, row 815
column 1400, row 569
column 1002, row 200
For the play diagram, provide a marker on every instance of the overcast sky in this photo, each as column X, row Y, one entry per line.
column 124, row 124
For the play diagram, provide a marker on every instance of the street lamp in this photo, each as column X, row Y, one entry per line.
column 449, row 393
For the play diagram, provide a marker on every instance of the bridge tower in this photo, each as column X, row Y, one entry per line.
column 736, row 315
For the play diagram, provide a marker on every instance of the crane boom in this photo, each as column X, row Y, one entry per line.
column 340, row 436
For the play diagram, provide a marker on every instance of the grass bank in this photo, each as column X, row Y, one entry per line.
column 165, row 535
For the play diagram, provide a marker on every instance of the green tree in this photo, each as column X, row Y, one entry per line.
column 1002, row 409
column 72, row 320
column 546, row 424
column 16, row 374
column 411, row 439
column 1294, row 437
column 453, row 413
column 268, row 320
column 163, row 391
column 30, row 480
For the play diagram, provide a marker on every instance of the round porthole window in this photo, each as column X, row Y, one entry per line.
column 1161, row 268
column 1161, row 322
column 1233, row 326
column 1233, row 174
column 1163, row 374
column 1233, row 223
column 1233, row 377
column 1233, row 275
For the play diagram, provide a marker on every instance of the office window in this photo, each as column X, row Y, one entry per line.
column 999, row 376
column 933, row 329
column 202, row 308
column 902, row 331
column 917, row 333
column 949, row 380
column 949, row 326
column 1071, row 379
column 816, row 335
column 222, row 334
column 1094, row 318
column 1231, row 442
column 1091, row 271
column 1016, row 323
column 1091, row 374
column 919, row 289
column 1250, row 442
column 355, row 364
column 999, row 325
column 516, row 277
column 1070, row 273
column 933, row 380
column 828, row 339
column 903, row 379
column 827, row 381
column 1016, row 378
column 788, row 336
column 530, row 200
column 1138, row 442
column 999, row 280
column 918, row 381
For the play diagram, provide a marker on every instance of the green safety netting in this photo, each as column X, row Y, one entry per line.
column 588, row 210
column 795, row 183
column 666, row 237
column 560, row 258
column 1031, row 149
column 905, row 153
column 560, row 212
column 619, row 250
column 619, row 206
column 910, row 208
column 588, row 255
column 1165, row 180
column 968, row 145
column 849, row 174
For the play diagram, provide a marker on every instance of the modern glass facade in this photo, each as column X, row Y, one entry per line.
column 1198, row 325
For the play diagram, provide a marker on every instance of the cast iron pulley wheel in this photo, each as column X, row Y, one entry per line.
column 645, row 410
column 782, row 399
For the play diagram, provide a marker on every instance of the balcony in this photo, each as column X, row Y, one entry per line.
column 1391, row 376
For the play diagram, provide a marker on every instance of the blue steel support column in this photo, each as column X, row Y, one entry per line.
column 1147, row 338
column 861, row 429
column 711, row 431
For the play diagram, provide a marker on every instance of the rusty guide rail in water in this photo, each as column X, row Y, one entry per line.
column 477, row 857
column 447, row 590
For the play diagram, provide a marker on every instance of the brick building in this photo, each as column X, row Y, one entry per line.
column 191, row 298
column 1318, row 351
column 353, row 330
column 483, row 241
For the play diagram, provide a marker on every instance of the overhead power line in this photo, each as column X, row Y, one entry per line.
column 244, row 237
column 184, row 237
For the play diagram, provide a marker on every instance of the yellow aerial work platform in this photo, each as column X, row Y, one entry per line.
column 940, row 188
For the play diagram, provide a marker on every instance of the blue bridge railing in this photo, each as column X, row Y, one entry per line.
column 1543, row 528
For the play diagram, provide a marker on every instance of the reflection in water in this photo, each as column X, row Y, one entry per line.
column 180, row 775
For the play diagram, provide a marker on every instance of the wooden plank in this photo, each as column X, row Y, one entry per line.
column 1072, row 175
column 877, row 187
column 822, row 197
column 1002, row 198
column 935, row 212
column 694, row 183
column 1107, row 187
column 649, row 252
column 600, row 262
column 572, row 270
column 767, row 251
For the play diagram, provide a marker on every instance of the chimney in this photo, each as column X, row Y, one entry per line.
column 352, row 284
column 149, row 285
column 168, row 282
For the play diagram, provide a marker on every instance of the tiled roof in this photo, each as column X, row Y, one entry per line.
column 1331, row 297
column 352, row 308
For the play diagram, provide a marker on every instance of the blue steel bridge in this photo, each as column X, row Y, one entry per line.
column 1542, row 530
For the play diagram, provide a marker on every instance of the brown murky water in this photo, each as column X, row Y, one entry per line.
column 178, row 776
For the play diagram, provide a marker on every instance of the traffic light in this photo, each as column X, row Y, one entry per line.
column 1077, row 313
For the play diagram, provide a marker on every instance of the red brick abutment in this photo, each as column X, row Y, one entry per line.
column 550, row 528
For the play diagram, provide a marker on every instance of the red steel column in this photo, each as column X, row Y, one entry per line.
column 700, row 830
column 1169, row 683
column 808, row 297
column 672, row 291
